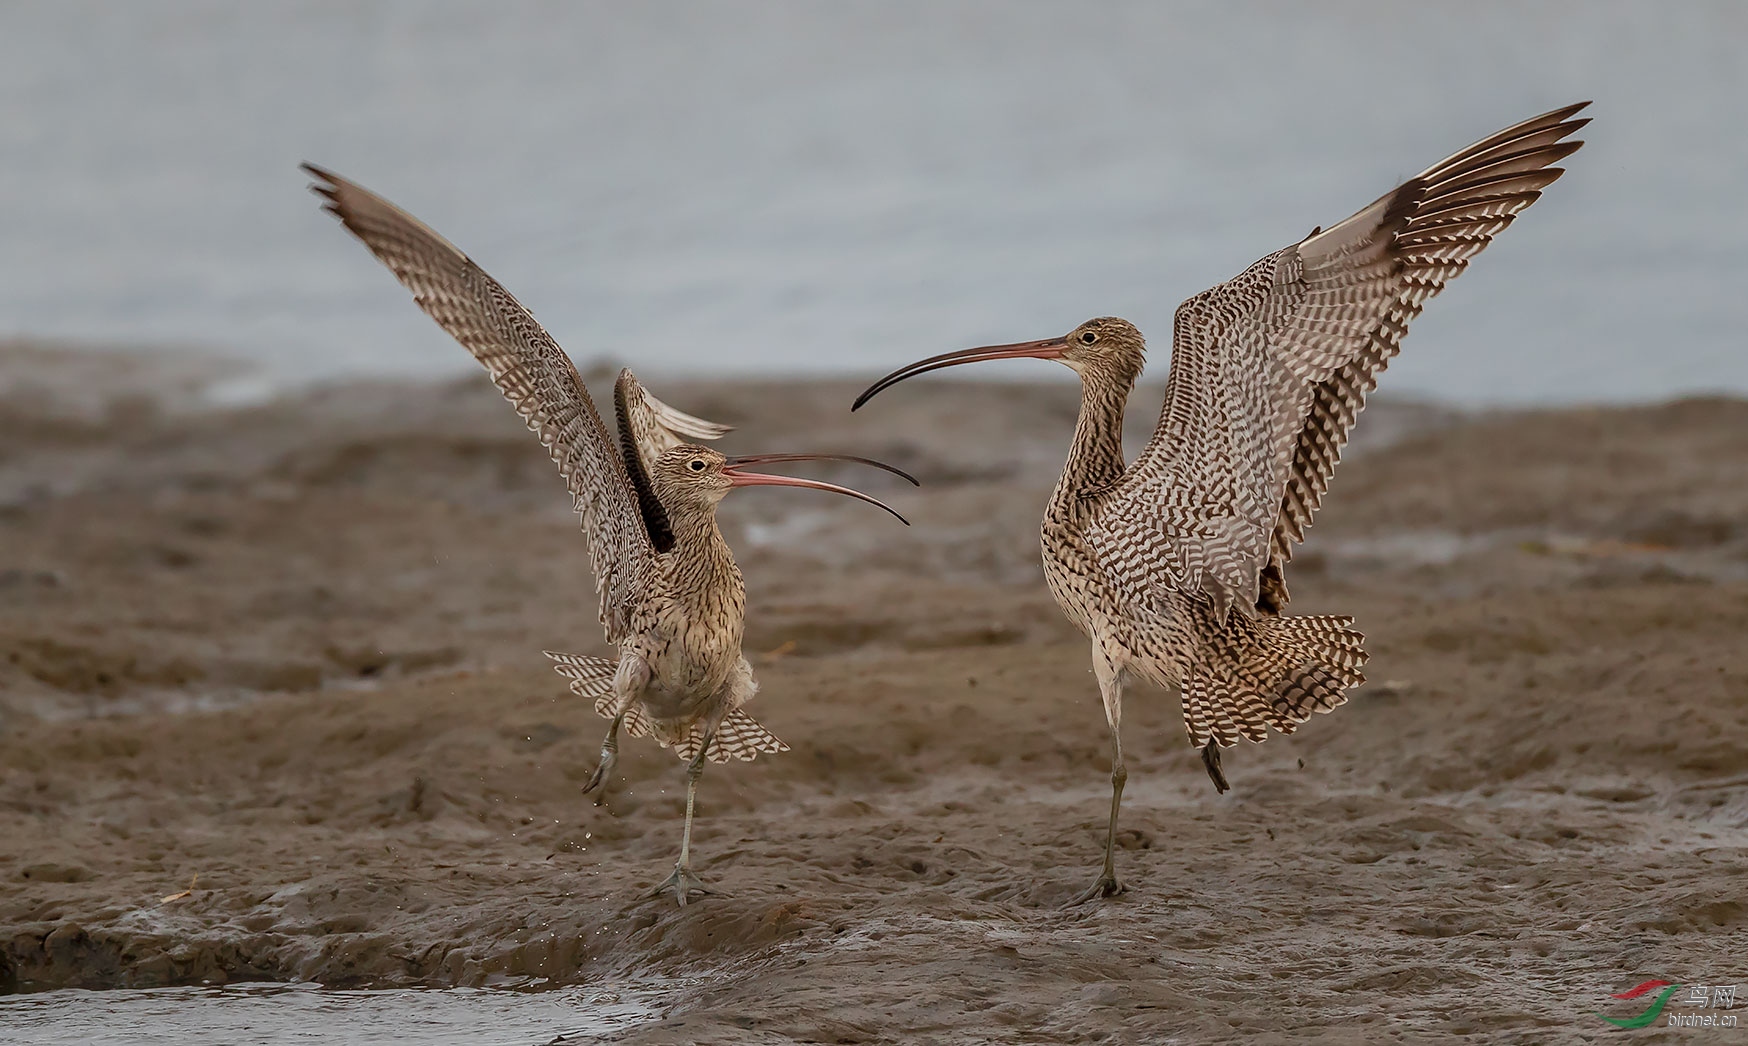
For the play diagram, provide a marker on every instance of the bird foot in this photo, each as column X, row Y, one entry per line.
column 1107, row 886
column 683, row 883
column 599, row 777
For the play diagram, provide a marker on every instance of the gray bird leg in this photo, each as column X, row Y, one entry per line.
column 1111, row 691
column 609, row 757
column 683, row 881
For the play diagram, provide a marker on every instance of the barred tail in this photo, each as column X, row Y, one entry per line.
column 1257, row 673
column 593, row 677
column 589, row 676
column 738, row 736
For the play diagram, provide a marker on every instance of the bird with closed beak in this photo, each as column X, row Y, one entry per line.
column 1174, row 564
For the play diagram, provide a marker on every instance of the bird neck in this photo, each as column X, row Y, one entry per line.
column 1095, row 458
column 701, row 567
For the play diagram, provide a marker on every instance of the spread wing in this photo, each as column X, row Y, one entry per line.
column 530, row 369
column 648, row 428
column 1269, row 369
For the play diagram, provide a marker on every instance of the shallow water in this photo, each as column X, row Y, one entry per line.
column 804, row 187
column 280, row 1013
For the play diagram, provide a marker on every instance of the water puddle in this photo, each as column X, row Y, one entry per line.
column 307, row 1013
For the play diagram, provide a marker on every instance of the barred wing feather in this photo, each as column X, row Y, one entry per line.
column 655, row 427
column 648, row 428
column 1269, row 370
column 529, row 368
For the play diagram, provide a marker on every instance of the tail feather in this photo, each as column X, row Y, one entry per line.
column 589, row 676
column 1273, row 672
column 742, row 737
column 738, row 736
column 593, row 677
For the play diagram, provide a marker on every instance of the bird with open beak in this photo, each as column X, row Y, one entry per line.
column 672, row 599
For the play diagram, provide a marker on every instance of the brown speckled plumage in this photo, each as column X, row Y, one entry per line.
column 671, row 595
column 1174, row 564
column 678, row 611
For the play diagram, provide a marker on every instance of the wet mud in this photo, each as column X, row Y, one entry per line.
column 272, row 707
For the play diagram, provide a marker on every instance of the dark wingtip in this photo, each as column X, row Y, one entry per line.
column 1565, row 112
column 327, row 180
column 326, row 187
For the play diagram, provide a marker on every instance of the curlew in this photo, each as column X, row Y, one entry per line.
column 671, row 596
column 1174, row 564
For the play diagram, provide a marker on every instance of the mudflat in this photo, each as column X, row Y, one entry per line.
column 272, row 707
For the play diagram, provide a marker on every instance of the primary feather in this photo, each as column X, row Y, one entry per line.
column 1269, row 369
column 528, row 367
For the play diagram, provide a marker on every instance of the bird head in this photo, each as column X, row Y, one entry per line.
column 698, row 477
column 1106, row 347
column 1106, row 344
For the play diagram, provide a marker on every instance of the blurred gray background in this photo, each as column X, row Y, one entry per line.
column 810, row 187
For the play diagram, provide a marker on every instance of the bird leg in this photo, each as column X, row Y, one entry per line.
column 1211, row 760
column 1111, row 690
column 609, row 757
column 683, row 881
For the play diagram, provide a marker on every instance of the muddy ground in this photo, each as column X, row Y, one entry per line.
column 272, row 706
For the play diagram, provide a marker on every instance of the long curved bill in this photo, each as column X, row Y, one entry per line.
column 737, row 478
column 1047, row 349
column 771, row 459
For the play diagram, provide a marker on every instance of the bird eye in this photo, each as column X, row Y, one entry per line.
column 696, row 465
column 1088, row 337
